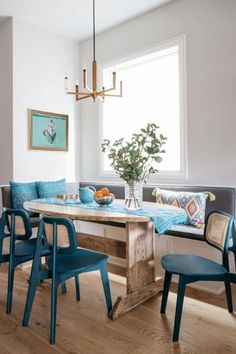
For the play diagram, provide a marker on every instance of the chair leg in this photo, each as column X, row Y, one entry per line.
column 179, row 308
column 29, row 302
column 33, row 283
column 77, row 288
column 228, row 295
column 63, row 288
column 40, row 268
column 166, row 289
column 106, row 287
column 11, row 271
column 53, row 310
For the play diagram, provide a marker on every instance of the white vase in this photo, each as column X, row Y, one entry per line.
column 133, row 195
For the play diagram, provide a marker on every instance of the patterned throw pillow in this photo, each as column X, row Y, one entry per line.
column 23, row 192
column 51, row 189
column 193, row 203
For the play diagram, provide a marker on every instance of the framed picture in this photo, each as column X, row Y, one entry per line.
column 48, row 131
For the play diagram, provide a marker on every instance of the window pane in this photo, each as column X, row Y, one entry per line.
column 150, row 94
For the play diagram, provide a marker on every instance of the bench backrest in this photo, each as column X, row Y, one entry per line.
column 225, row 196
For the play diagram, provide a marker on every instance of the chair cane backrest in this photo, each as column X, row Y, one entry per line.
column 60, row 231
column 18, row 223
column 63, row 240
column 219, row 229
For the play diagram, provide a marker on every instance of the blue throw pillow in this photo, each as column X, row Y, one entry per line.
column 51, row 189
column 23, row 192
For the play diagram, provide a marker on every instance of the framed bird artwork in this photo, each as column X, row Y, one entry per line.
column 48, row 131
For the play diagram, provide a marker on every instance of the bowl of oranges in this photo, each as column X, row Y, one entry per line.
column 103, row 197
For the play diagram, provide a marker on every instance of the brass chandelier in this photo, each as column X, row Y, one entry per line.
column 94, row 92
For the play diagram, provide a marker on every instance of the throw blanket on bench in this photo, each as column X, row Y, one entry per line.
column 163, row 216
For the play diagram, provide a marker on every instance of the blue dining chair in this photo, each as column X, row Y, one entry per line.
column 67, row 261
column 15, row 225
column 220, row 227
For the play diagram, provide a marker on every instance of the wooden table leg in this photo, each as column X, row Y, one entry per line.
column 140, row 273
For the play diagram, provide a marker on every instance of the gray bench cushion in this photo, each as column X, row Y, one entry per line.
column 186, row 231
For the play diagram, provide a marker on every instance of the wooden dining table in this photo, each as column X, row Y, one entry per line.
column 140, row 249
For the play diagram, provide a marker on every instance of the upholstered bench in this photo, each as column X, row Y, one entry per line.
column 111, row 237
column 225, row 201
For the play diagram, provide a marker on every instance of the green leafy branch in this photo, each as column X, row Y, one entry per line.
column 132, row 160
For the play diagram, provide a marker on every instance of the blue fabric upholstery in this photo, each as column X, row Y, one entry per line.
column 22, row 192
column 51, row 189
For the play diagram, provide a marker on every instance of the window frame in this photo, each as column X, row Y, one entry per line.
column 180, row 42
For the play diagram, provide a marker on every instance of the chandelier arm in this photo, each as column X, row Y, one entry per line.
column 83, row 96
column 85, row 81
column 114, row 79
column 85, row 77
column 111, row 95
column 79, row 93
column 66, row 85
column 89, row 89
column 107, row 90
column 103, row 92
column 72, row 93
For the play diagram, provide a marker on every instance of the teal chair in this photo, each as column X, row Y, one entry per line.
column 67, row 261
column 15, row 225
column 220, row 227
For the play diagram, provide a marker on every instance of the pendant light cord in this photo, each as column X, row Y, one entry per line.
column 94, row 30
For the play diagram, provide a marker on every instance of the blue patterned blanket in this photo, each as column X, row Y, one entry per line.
column 163, row 216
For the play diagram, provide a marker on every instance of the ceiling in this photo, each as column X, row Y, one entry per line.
column 73, row 18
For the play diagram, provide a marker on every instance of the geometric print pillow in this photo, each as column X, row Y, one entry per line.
column 194, row 204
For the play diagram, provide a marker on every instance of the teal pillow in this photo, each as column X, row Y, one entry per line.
column 22, row 192
column 51, row 189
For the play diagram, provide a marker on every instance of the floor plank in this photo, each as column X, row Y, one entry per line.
column 83, row 327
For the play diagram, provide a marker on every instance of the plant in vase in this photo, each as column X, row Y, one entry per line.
column 133, row 160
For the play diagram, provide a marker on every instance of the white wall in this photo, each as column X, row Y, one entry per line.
column 6, row 136
column 41, row 61
column 210, row 29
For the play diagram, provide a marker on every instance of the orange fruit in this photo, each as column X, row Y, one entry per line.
column 98, row 195
column 105, row 191
column 111, row 195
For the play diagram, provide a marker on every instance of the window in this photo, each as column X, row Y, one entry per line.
column 153, row 91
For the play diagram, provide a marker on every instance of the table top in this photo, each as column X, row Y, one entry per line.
column 77, row 213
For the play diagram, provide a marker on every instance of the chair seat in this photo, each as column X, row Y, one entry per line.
column 27, row 248
column 79, row 260
column 191, row 265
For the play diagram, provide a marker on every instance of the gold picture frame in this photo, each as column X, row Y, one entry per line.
column 48, row 131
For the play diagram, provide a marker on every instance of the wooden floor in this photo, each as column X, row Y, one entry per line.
column 82, row 327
